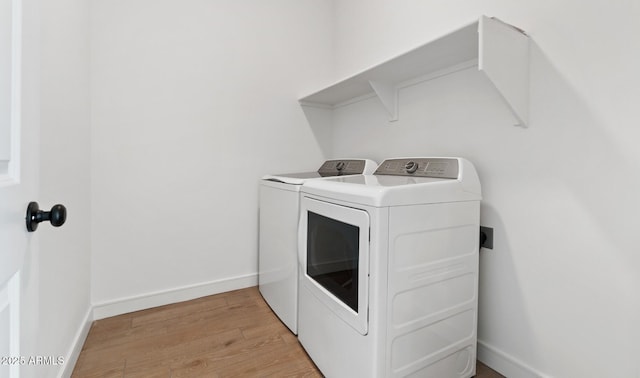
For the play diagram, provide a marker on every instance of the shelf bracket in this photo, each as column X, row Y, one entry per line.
column 503, row 55
column 388, row 95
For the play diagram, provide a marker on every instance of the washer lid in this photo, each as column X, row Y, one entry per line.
column 381, row 190
column 292, row 178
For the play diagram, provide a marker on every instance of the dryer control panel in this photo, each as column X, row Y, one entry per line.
column 420, row 167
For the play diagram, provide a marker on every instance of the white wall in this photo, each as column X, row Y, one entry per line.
column 56, row 299
column 559, row 291
column 192, row 102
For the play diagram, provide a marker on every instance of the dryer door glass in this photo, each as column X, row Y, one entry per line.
column 332, row 257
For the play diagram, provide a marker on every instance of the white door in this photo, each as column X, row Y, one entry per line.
column 334, row 258
column 18, row 169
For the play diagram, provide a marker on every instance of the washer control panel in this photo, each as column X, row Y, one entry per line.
column 342, row 167
column 420, row 167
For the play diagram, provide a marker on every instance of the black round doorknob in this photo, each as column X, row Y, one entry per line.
column 57, row 216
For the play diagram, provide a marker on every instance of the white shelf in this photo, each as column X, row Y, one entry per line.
column 499, row 50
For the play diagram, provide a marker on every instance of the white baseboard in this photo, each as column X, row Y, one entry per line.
column 161, row 298
column 504, row 363
column 78, row 341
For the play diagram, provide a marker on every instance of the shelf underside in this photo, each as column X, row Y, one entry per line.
column 450, row 50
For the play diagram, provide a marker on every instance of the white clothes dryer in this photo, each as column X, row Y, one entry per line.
column 279, row 210
column 389, row 270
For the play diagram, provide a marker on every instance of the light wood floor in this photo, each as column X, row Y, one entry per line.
column 233, row 334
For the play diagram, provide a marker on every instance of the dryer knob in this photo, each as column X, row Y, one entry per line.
column 411, row 167
column 340, row 165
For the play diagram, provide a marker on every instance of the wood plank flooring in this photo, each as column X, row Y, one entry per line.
column 232, row 334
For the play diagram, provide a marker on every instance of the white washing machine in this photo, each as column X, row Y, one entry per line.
column 279, row 211
column 389, row 270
